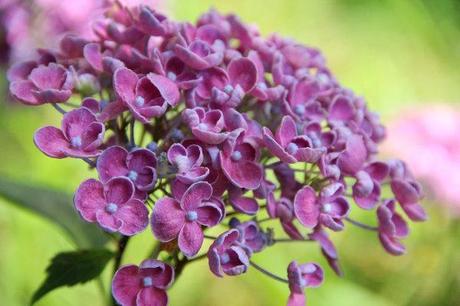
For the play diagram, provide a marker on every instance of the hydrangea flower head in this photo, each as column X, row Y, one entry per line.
column 193, row 129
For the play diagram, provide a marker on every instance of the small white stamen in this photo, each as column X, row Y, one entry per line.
column 111, row 208
column 191, row 215
column 299, row 109
column 224, row 258
column 140, row 101
column 147, row 281
column 172, row 76
column 132, row 175
column 262, row 85
column 76, row 142
column 327, row 208
column 202, row 126
column 292, row 148
column 236, row 155
column 228, row 89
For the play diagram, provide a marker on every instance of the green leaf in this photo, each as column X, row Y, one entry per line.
column 56, row 206
column 71, row 268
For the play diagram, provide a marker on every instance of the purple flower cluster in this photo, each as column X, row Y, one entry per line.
column 199, row 126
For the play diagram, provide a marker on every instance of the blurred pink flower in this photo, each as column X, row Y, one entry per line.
column 428, row 138
column 24, row 25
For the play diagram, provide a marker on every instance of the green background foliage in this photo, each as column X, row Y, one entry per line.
column 395, row 53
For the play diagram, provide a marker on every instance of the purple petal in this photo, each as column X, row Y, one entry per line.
column 405, row 191
column 167, row 219
column 306, row 208
column 244, row 174
column 415, row 212
column 296, row 299
column 194, row 175
column 51, row 141
column 112, row 163
column 20, row 71
column 93, row 55
column 124, row 82
column 242, row 72
column 118, row 190
column 341, row 109
column 23, row 91
column 75, row 122
column 108, row 221
column 392, row 245
column 276, row 149
column 352, row 158
column 196, row 194
column 167, row 88
column 286, row 132
column 134, row 217
column 126, row 284
column 190, row 239
column 209, row 214
column 162, row 273
column 151, row 296
column 52, row 76
column 89, row 198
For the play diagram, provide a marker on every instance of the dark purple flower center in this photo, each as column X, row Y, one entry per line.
column 111, row 208
column 191, row 215
column 147, row 281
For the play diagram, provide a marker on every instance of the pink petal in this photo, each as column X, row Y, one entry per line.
column 162, row 273
column 52, row 76
column 190, row 239
column 296, row 299
column 306, row 208
column 76, row 121
column 151, row 297
column 20, row 71
column 167, row 88
column 352, row 159
column 209, row 214
column 194, row 175
column 167, row 219
column 134, row 217
column 196, row 194
column 244, row 174
column 126, row 284
column 93, row 55
column 23, row 91
column 243, row 72
column 125, row 81
column 118, row 190
column 276, row 149
column 286, row 132
column 89, row 198
column 51, row 141
column 112, row 163
column 341, row 109
column 140, row 158
column 108, row 221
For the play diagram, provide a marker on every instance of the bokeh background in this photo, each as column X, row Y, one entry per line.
column 401, row 55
